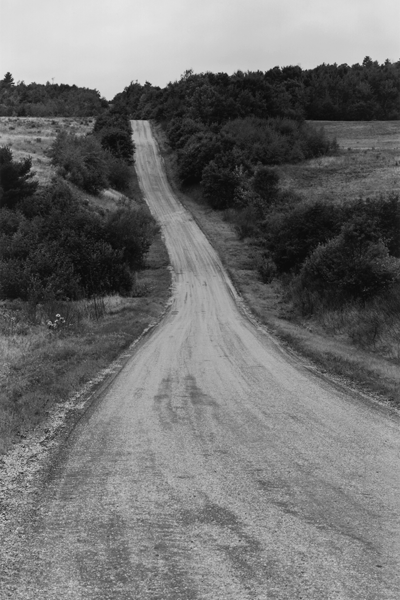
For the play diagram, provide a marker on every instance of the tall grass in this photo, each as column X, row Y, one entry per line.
column 48, row 351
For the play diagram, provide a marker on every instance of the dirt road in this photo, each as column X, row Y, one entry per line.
column 216, row 466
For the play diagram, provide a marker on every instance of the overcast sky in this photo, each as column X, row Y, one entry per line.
column 106, row 44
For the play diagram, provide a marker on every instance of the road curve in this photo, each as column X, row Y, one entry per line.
column 215, row 466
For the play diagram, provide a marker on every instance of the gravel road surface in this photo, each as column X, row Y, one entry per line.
column 216, row 466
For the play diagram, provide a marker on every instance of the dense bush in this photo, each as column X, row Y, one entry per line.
column 54, row 248
column 15, row 179
column 113, row 129
column 277, row 140
column 118, row 173
column 265, row 183
column 80, row 160
column 179, row 131
column 89, row 165
column 348, row 268
column 198, row 152
column 118, row 142
column 220, row 180
column 377, row 218
column 292, row 234
column 131, row 232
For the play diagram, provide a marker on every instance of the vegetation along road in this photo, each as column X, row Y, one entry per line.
column 216, row 466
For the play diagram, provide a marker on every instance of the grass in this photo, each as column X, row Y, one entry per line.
column 33, row 136
column 42, row 366
column 327, row 345
column 363, row 135
column 368, row 163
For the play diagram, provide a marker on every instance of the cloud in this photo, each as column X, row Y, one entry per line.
column 107, row 43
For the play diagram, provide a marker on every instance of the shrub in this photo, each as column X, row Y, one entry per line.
column 220, row 181
column 179, row 131
column 266, row 183
column 246, row 221
column 266, row 269
column 291, row 235
column 277, row 140
column 15, row 179
column 64, row 251
column 131, row 232
column 81, row 160
column 197, row 153
column 14, row 280
column 118, row 142
column 118, row 174
column 377, row 218
column 349, row 268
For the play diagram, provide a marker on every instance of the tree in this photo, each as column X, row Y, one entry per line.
column 15, row 179
column 8, row 79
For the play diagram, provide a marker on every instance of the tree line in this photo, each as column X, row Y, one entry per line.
column 229, row 133
column 328, row 92
column 48, row 100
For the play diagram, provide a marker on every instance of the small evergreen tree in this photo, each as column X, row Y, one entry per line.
column 8, row 79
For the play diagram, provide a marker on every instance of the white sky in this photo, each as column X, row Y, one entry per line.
column 106, row 44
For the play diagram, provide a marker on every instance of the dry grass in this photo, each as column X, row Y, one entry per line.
column 32, row 136
column 363, row 135
column 40, row 366
column 328, row 344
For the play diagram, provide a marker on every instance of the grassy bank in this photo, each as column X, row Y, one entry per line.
column 45, row 358
column 41, row 366
column 332, row 353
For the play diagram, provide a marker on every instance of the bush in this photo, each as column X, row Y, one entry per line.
column 197, row 153
column 266, row 183
column 246, row 221
column 131, row 232
column 81, row 160
column 63, row 251
column 291, row 235
column 377, row 219
column 118, row 142
column 179, row 131
column 114, row 131
column 277, row 140
column 266, row 269
column 15, row 179
column 220, row 181
column 348, row 268
column 119, row 174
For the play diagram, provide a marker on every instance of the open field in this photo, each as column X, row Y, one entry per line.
column 40, row 366
column 339, row 178
column 368, row 164
column 32, row 136
column 363, row 135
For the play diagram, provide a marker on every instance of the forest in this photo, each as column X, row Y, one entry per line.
column 48, row 100
column 328, row 92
